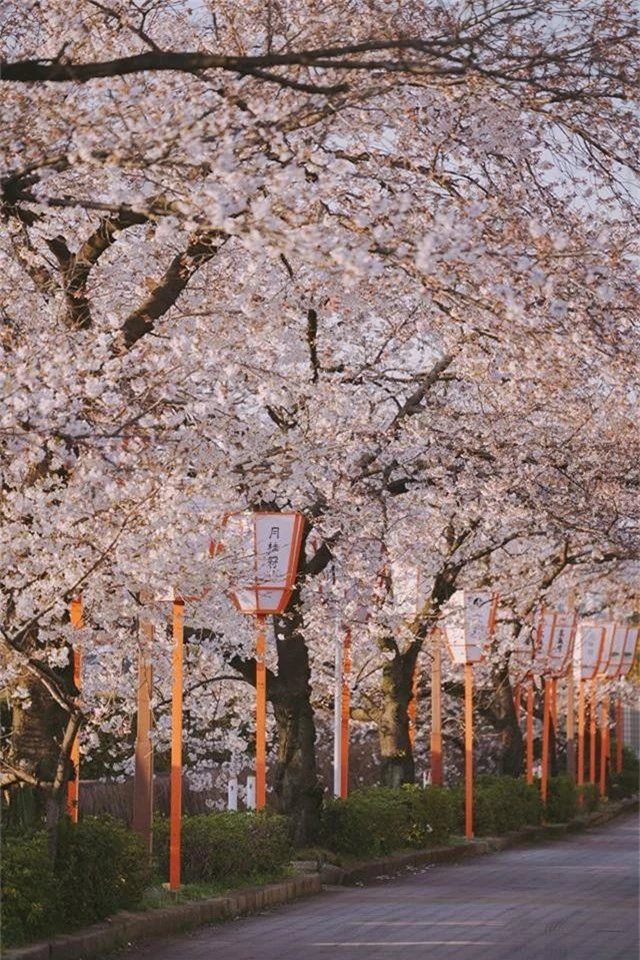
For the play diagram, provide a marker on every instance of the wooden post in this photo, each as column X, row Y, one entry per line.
column 604, row 744
column 346, row 707
column 176, row 747
column 143, row 775
column 468, row 750
column 619, row 734
column 571, row 732
column 261, row 716
column 593, row 706
column 436, row 709
column 73, row 785
column 530, row 706
column 546, row 722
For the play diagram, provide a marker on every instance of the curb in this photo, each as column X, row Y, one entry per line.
column 125, row 927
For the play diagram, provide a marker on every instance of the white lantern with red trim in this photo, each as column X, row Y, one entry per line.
column 469, row 621
column 264, row 548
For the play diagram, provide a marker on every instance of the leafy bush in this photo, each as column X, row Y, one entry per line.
column 562, row 799
column 588, row 797
column 627, row 783
column 502, row 804
column 229, row 846
column 30, row 891
column 102, row 867
column 375, row 821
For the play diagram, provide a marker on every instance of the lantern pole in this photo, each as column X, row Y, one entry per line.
column 261, row 714
column 571, row 733
column 530, row 705
column 619, row 734
column 73, row 785
column 338, row 682
column 546, row 722
column 412, row 709
column 436, row 709
column 593, row 705
column 581, row 733
column 176, row 747
column 143, row 775
column 468, row 750
column 346, row 707
column 604, row 744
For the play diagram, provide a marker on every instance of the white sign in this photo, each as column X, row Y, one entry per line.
column 469, row 620
column 556, row 633
column 629, row 653
column 591, row 635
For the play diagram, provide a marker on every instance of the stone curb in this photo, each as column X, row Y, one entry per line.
column 394, row 865
column 124, row 927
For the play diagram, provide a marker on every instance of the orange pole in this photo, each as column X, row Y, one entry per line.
column 592, row 731
column 554, row 705
column 619, row 735
column 530, row 703
column 571, row 733
column 581, row 732
column 412, row 709
column 176, row 747
column 73, row 785
column 344, row 717
column 143, row 774
column 436, row 711
column 546, row 723
column 261, row 716
column 468, row 750
column 604, row 744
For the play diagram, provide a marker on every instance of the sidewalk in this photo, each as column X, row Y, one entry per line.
column 124, row 928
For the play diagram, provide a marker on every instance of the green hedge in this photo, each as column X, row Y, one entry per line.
column 501, row 804
column 375, row 821
column 228, row 847
column 627, row 783
column 30, row 893
column 101, row 867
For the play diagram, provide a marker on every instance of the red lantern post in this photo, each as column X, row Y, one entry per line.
column 263, row 584
column 469, row 624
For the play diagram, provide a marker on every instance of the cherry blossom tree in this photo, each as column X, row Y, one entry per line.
column 263, row 256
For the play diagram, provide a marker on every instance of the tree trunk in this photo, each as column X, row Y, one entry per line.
column 396, row 756
column 503, row 718
column 298, row 794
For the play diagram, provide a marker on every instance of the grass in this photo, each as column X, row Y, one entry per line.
column 160, row 896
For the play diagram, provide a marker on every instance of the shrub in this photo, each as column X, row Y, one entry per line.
column 30, row 892
column 627, row 783
column 502, row 804
column 375, row 821
column 101, row 867
column 589, row 794
column 371, row 822
column 562, row 799
column 433, row 814
column 226, row 847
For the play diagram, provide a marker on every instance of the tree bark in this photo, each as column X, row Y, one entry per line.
column 503, row 718
column 396, row 756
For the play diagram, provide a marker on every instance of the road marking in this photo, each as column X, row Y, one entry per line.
column 426, row 923
column 404, row 943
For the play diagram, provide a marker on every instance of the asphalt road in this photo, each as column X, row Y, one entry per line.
column 569, row 899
